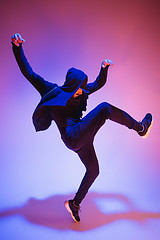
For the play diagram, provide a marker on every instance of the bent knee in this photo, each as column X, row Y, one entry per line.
column 105, row 108
column 105, row 105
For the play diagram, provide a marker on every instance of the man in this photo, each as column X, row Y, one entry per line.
column 64, row 104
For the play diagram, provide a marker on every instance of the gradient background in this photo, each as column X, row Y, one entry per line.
column 37, row 172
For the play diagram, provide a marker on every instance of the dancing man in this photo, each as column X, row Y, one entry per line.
column 65, row 104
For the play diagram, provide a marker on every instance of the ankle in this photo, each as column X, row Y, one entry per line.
column 138, row 127
column 75, row 205
column 141, row 129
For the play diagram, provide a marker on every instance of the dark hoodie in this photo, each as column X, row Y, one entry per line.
column 58, row 104
column 58, row 99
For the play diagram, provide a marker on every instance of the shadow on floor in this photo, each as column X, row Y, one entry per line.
column 51, row 212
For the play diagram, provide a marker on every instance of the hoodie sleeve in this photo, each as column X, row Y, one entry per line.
column 37, row 81
column 99, row 82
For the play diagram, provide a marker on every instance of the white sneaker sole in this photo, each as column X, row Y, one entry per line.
column 70, row 211
column 148, row 132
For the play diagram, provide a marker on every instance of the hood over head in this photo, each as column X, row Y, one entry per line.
column 75, row 79
column 58, row 96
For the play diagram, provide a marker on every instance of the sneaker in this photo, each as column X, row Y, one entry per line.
column 73, row 210
column 146, row 124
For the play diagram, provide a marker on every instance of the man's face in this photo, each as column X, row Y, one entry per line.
column 78, row 93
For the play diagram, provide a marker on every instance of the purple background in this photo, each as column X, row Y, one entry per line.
column 59, row 35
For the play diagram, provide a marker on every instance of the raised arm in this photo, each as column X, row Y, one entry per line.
column 37, row 81
column 102, row 77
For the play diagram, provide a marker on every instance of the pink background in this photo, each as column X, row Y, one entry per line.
column 36, row 170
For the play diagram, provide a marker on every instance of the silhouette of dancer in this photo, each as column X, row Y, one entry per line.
column 64, row 104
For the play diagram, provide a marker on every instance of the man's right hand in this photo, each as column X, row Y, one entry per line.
column 107, row 62
column 17, row 39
